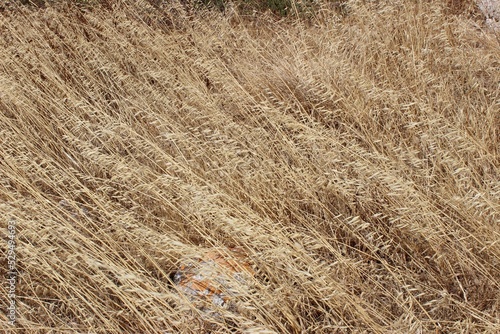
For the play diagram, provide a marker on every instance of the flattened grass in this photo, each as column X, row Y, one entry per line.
column 355, row 158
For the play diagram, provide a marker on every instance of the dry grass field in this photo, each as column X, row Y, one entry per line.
column 351, row 158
